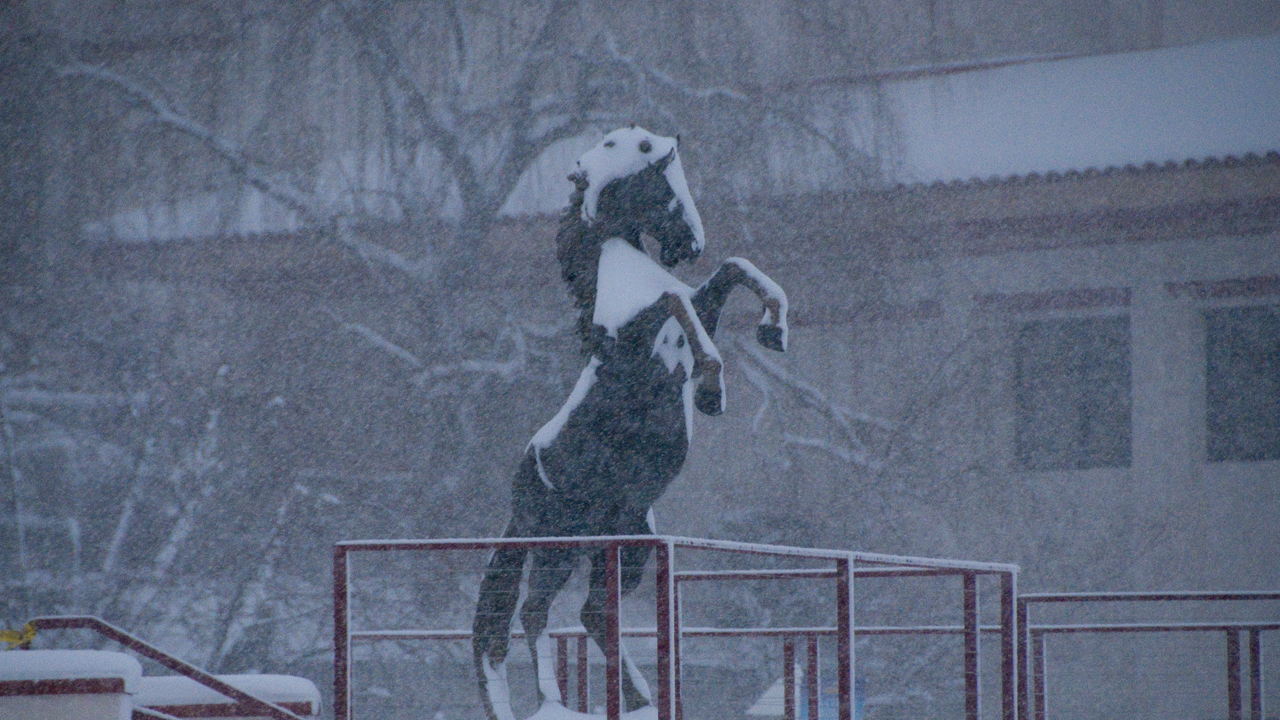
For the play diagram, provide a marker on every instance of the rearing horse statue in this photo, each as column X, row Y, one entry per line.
column 600, row 464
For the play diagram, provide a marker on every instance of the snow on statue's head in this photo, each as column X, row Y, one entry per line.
column 632, row 183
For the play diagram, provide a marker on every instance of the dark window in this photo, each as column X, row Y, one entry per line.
column 1073, row 393
column 1242, row 378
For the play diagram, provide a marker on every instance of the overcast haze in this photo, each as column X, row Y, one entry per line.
column 279, row 275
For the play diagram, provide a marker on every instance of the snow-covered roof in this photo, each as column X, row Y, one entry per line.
column 1190, row 164
column 1213, row 100
column 1040, row 116
column 177, row 690
column 70, row 665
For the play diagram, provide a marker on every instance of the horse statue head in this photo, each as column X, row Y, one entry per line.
column 632, row 184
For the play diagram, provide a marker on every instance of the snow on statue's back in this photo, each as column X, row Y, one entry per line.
column 629, row 281
column 598, row 466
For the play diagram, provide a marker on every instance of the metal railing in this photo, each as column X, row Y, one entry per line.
column 789, row 635
column 1031, row 642
column 249, row 703
column 668, row 632
column 970, row 630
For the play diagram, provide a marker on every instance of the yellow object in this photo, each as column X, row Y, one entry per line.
column 18, row 638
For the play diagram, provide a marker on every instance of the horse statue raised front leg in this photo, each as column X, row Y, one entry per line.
column 598, row 466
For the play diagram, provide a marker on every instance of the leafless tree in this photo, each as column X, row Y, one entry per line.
column 466, row 98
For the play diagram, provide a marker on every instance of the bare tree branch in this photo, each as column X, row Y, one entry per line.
column 273, row 185
column 812, row 396
column 385, row 63
column 643, row 73
column 857, row 457
column 383, row 343
column 862, row 166
column 506, row 369
column 15, row 476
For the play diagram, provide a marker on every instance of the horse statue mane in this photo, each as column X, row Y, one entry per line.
column 578, row 266
column 598, row 466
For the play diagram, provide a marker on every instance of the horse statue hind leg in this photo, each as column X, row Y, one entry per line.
column 600, row 464
column 549, row 570
column 635, row 691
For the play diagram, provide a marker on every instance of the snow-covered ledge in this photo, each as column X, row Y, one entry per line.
column 67, row 685
column 185, row 697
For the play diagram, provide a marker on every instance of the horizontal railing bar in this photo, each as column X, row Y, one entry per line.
column 923, row 630
column 500, row 543
column 685, row 632
column 591, row 541
column 811, row 573
column 977, row 568
column 913, row 571
column 1150, row 596
column 804, row 573
column 857, row 555
column 1152, row 627
column 830, row 631
column 417, row 635
column 676, row 541
column 758, row 548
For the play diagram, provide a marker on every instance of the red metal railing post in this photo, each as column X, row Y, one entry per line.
column 788, row 678
column 813, row 680
column 1037, row 670
column 612, row 639
column 844, row 637
column 584, row 676
column 1255, row 674
column 341, row 636
column 972, row 681
column 662, row 582
column 1234, row 705
column 562, row 668
column 1024, row 671
column 1009, row 670
column 676, row 620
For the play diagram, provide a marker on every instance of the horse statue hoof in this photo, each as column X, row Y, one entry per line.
column 770, row 337
column 709, row 401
